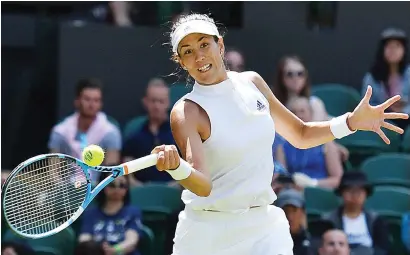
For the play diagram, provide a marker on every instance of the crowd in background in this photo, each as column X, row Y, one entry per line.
column 114, row 224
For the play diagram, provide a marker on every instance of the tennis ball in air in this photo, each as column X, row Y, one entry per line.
column 93, row 155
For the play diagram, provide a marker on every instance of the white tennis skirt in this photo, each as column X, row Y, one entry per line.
column 259, row 231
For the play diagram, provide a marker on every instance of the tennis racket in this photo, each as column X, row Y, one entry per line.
column 47, row 193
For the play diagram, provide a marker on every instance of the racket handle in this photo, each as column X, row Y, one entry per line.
column 140, row 163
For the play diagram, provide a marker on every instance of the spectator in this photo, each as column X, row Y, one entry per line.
column 155, row 131
column 292, row 80
column 234, row 60
column 11, row 248
column 113, row 222
column 405, row 231
column 334, row 242
column 88, row 125
column 4, row 174
column 390, row 72
column 293, row 204
column 321, row 163
column 364, row 228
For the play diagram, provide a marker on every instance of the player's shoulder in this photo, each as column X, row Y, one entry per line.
column 185, row 110
column 252, row 76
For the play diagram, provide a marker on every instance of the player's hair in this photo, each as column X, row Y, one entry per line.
column 102, row 198
column 87, row 83
column 279, row 88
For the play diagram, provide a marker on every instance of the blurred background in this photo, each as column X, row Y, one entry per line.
column 101, row 72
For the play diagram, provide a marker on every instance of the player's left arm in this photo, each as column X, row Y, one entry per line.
column 310, row 134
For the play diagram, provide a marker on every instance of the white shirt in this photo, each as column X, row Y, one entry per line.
column 357, row 231
column 238, row 153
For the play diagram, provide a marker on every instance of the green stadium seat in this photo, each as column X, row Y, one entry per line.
column 147, row 243
column 405, row 145
column 177, row 91
column 337, row 98
column 388, row 169
column 394, row 228
column 319, row 201
column 389, row 201
column 364, row 144
column 134, row 125
column 62, row 243
column 44, row 250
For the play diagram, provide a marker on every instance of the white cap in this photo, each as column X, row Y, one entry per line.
column 190, row 27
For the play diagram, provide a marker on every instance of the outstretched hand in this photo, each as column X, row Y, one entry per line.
column 372, row 118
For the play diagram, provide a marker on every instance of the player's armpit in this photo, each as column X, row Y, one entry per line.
column 185, row 119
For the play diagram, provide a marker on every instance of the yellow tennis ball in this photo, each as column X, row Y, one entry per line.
column 93, row 155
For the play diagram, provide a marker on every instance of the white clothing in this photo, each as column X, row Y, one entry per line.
column 357, row 231
column 238, row 154
column 260, row 231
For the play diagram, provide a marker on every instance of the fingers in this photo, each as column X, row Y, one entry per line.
column 168, row 157
column 394, row 115
column 390, row 101
column 157, row 149
column 392, row 127
column 368, row 94
column 383, row 136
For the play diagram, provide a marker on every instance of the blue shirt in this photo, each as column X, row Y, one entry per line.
column 141, row 143
column 111, row 228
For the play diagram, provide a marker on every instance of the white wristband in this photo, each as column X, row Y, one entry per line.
column 339, row 127
column 182, row 172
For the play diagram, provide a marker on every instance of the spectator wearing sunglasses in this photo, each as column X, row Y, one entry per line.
column 292, row 81
column 113, row 222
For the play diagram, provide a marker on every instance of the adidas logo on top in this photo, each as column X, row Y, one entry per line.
column 260, row 106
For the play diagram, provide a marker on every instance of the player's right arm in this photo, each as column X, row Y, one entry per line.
column 185, row 125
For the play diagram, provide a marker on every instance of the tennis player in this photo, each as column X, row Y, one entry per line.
column 225, row 129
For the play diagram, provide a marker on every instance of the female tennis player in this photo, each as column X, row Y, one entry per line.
column 225, row 129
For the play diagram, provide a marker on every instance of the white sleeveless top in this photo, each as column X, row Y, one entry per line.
column 238, row 153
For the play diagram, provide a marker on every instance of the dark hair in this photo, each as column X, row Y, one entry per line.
column 101, row 197
column 380, row 68
column 87, row 83
column 279, row 88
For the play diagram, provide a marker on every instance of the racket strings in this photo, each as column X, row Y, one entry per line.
column 44, row 195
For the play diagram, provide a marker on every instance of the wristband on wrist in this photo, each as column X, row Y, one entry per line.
column 339, row 127
column 182, row 172
column 118, row 250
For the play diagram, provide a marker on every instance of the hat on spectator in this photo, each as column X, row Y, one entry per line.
column 290, row 197
column 354, row 179
column 393, row 33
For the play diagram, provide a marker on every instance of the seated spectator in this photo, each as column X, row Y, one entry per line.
column 334, row 242
column 89, row 248
column 292, row 80
column 4, row 174
column 88, row 125
column 321, row 163
column 405, row 230
column 293, row 204
column 11, row 248
column 390, row 72
column 234, row 60
column 155, row 131
column 113, row 222
column 363, row 227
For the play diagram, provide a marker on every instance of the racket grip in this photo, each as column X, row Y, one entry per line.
column 140, row 163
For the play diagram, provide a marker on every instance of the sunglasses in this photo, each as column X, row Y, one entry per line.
column 292, row 74
column 118, row 185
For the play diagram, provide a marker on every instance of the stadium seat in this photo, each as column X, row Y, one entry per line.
column 62, row 243
column 394, row 228
column 177, row 91
column 133, row 126
column 147, row 243
column 405, row 145
column 364, row 144
column 389, row 201
column 44, row 250
column 388, row 169
column 319, row 201
column 337, row 98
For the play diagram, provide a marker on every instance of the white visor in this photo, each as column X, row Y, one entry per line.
column 190, row 27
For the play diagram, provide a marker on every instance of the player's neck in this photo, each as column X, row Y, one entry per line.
column 112, row 207
column 84, row 123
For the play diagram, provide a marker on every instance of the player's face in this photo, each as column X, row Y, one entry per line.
column 354, row 196
column 334, row 243
column 294, row 76
column 302, row 109
column 89, row 103
column 295, row 217
column 117, row 189
column 393, row 51
column 201, row 56
column 156, row 102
